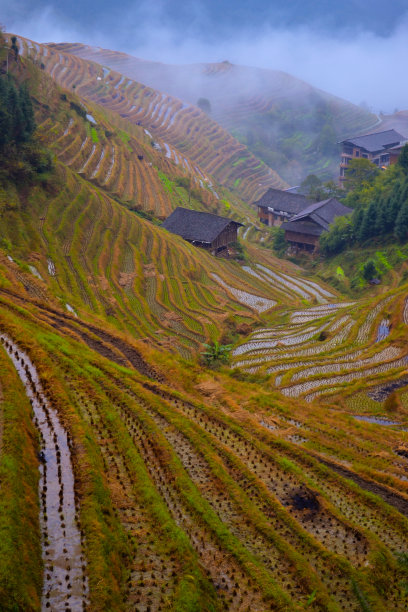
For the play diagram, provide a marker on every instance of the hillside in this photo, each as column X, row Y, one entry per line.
column 290, row 125
column 189, row 137
column 134, row 477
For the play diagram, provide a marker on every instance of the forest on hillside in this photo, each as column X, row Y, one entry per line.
column 380, row 203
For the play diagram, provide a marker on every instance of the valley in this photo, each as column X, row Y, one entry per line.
column 134, row 474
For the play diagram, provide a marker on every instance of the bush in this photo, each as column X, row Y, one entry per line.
column 369, row 270
column 279, row 243
column 216, row 353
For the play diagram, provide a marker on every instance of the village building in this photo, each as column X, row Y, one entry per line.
column 203, row 229
column 277, row 206
column 304, row 229
column 381, row 148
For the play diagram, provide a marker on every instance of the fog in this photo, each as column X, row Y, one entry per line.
column 357, row 65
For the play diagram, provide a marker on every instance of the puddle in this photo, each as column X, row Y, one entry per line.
column 70, row 309
column 51, row 267
column 374, row 419
column 383, row 330
column 34, row 271
column 65, row 584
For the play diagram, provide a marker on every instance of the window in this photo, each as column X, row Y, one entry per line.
column 357, row 153
column 384, row 159
column 365, row 156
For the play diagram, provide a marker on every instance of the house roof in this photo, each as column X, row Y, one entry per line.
column 377, row 141
column 284, row 201
column 196, row 226
column 320, row 215
column 303, row 227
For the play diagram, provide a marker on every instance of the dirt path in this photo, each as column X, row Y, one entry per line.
column 65, row 584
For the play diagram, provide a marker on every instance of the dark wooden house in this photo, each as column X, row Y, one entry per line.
column 379, row 147
column 304, row 230
column 202, row 229
column 277, row 206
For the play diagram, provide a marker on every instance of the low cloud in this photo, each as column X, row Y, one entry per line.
column 360, row 67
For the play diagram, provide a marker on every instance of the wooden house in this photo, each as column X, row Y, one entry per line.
column 381, row 148
column 304, row 230
column 277, row 206
column 203, row 229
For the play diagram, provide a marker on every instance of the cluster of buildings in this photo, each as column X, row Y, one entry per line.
column 302, row 220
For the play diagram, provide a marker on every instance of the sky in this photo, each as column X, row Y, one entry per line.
column 357, row 49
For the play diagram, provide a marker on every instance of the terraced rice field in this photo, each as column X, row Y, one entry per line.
column 130, row 170
column 335, row 342
column 211, row 504
column 195, row 139
column 101, row 258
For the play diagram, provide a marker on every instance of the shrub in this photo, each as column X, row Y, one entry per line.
column 369, row 270
column 216, row 353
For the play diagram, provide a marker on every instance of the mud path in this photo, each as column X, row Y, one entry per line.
column 65, row 584
column 59, row 320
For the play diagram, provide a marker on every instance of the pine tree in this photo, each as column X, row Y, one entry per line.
column 368, row 223
column 27, row 111
column 380, row 218
column 403, row 159
column 358, row 216
column 401, row 223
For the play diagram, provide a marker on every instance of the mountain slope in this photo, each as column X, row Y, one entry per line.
column 187, row 129
column 292, row 126
column 186, row 488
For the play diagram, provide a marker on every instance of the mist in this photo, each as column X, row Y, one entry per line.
column 358, row 65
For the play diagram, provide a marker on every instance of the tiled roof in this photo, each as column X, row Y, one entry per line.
column 320, row 215
column 377, row 141
column 196, row 226
column 303, row 227
column 284, row 201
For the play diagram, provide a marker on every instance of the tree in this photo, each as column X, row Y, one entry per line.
column 367, row 227
column 360, row 173
column 401, row 223
column 279, row 243
column 204, row 104
column 339, row 236
column 14, row 46
column 369, row 269
column 403, row 159
column 311, row 186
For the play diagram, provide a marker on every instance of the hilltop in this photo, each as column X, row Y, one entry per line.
column 133, row 474
column 290, row 125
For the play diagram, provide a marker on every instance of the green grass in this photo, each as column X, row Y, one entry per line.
column 94, row 135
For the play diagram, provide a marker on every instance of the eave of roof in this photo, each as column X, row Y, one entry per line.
column 375, row 142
